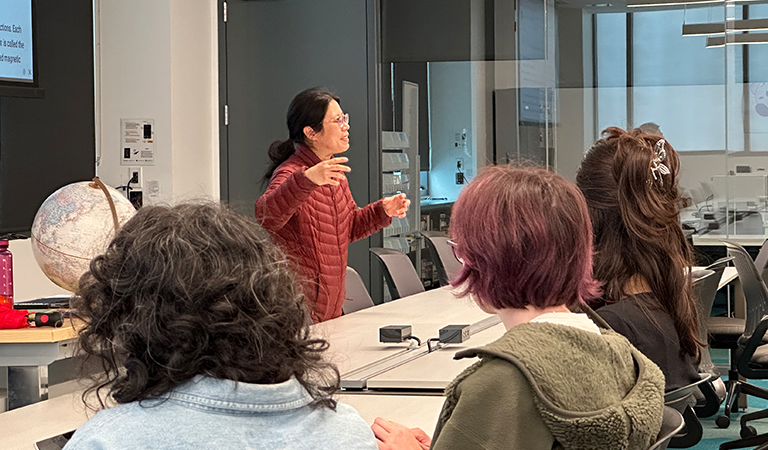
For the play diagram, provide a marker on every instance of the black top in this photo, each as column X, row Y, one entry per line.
column 652, row 331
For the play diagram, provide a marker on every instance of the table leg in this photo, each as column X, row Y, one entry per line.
column 27, row 385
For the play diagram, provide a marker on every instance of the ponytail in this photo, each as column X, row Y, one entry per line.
column 635, row 218
column 279, row 152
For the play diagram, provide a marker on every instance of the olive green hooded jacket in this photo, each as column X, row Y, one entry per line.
column 546, row 386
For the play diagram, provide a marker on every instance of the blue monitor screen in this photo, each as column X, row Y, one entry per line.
column 16, row 61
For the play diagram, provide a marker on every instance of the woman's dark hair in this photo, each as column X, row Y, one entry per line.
column 635, row 217
column 307, row 109
column 196, row 289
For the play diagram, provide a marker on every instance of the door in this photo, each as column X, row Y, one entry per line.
column 272, row 50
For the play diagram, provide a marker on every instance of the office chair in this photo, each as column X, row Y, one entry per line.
column 728, row 329
column 442, row 255
column 399, row 273
column 753, row 363
column 751, row 356
column 681, row 399
column 671, row 424
column 356, row 297
column 723, row 332
column 762, row 259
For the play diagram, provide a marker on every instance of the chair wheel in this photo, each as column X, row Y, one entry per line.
column 723, row 421
column 748, row 431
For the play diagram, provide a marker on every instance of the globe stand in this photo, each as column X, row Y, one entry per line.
column 96, row 183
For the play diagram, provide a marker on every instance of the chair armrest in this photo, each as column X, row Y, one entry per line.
column 749, row 348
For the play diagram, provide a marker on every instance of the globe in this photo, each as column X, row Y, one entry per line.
column 74, row 225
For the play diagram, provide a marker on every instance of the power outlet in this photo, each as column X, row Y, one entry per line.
column 459, row 171
column 135, row 177
column 136, row 198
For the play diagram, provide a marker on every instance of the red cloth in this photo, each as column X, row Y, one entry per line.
column 12, row 318
column 314, row 225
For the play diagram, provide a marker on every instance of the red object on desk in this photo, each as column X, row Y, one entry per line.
column 12, row 318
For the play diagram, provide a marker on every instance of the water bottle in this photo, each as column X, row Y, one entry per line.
column 6, row 275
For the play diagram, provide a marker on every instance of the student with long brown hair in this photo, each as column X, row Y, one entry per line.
column 630, row 182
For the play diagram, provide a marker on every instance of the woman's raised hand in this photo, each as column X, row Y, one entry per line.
column 330, row 171
column 396, row 205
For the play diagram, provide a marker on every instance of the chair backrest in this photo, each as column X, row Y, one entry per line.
column 442, row 255
column 671, row 424
column 680, row 397
column 704, row 286
column 762, row 259
column 399, row 273
column 755, row 292
column 357, row 296
column 705, row 289
column 681, row 400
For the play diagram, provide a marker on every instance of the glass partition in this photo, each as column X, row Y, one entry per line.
column 532, row 80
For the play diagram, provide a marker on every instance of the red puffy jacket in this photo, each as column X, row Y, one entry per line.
column 314, row 225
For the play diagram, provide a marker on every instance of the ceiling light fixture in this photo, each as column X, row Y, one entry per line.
column 737, row 39
column 644, row 3
column 731, row 26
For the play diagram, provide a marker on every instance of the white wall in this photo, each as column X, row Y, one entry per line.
column 450, row 105
column 135, row 52
column 194, row 99
column 156, row 59
column 29, row 282
column 159, row 61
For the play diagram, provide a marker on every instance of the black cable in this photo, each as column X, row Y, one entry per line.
column 429, row 344
column 127, row 188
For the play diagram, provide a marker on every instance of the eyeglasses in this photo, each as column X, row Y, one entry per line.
column 455, row 255
column 341, row 120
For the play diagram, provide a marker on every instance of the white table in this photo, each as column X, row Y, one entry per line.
column 729, row 275
column 434, row 371
column 26, row 353
column 24, row 426
column 354, row 338
column 715, row 240
column 413, row 411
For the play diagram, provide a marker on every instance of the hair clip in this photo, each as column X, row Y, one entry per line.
column 657, row 166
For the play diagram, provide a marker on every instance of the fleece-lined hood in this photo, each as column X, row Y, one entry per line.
column 624, row 412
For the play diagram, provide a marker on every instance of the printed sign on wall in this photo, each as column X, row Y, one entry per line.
column 137, row 142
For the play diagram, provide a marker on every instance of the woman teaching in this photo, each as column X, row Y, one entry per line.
column 308, row 207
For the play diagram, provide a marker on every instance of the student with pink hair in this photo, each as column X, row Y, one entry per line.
column 555, row 379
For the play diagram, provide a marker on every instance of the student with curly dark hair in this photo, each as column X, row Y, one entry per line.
column 629, row 179
column 200, row 329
